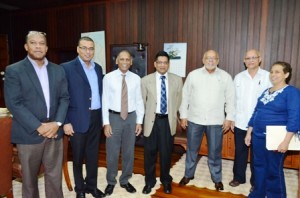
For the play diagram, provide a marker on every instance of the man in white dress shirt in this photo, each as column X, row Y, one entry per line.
column 249, row 85
column 121, row 131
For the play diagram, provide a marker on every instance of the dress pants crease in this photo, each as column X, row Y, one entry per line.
column 160, row 141
column 85, row 148
column 123, row 137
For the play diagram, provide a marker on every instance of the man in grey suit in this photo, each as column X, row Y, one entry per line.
column 36, row 94
column 162, row 92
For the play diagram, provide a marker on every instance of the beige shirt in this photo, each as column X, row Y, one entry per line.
column 207, row 97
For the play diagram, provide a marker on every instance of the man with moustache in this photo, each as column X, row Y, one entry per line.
column 208, row 93
column 36, row 93
column 83, row 122
column 249, row 85
column 162, row 92
column 123, row 112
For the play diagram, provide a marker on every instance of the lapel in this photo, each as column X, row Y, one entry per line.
column 34, row 78
column 51, row 78
column 99, row 75
column 152, row 84
column 80, row 71
column 170, row 90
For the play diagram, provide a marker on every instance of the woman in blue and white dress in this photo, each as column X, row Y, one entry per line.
column 278, row 105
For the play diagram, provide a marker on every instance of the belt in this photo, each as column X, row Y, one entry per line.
column 116, row 112
column 161, row 115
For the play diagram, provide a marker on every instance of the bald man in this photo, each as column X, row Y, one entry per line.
column 208, row 92
column 120, row 130
column 249, row 85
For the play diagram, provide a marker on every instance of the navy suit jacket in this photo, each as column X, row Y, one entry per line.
column 80, row 94
column 24, row 98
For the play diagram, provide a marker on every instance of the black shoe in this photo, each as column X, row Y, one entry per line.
column 128, row 187
column 80, row 195
column 109, row 189
column 234, row 183
column 167, row 188
column 147, row 189
column 185, row 180
column 96, row 193
column 219, row 186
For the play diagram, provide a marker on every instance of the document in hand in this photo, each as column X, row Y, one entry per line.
column 276, row 134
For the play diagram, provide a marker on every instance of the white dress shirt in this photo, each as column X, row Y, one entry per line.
column 206, row 97
column 112, row 89
column 247, row 90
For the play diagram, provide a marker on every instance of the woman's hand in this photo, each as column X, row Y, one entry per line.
column 248, row 136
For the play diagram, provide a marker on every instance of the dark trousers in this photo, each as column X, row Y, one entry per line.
column 160, row 140
column 85, row 148
column 241, row 157
column 268, row 167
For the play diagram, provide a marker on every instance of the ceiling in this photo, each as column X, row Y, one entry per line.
column 13, row 5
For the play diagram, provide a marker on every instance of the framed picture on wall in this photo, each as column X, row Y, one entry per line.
column 139, row 56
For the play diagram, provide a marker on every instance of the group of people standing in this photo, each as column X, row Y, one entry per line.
column 47, row 100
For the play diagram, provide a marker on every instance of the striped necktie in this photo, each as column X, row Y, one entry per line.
column 163, row 97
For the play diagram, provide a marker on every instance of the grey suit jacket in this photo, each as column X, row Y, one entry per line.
column 149, row 94
column 25, row 100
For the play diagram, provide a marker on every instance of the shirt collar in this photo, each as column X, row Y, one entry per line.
column 158, row 75
column 35, row 64
column 84, row 65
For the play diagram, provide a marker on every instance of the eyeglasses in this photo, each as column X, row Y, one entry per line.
column 211, row 58
column 251, row 58
column 162, row 62
column 91, row 49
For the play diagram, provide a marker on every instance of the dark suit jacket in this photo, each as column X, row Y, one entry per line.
column 25, row 100
column 80, row 94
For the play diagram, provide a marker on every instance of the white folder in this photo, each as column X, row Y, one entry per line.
column 276, row 134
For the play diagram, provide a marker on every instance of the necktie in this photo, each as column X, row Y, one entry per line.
column 163, row 97
column 124, row 99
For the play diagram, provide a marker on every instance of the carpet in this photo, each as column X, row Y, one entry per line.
column 137, row 181
column 203, row 180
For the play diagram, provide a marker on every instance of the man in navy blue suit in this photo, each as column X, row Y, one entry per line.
column 36, row 93
column 84, row 121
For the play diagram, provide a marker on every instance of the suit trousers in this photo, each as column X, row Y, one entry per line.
column 268, row 171
column 241, row 157
column 214, row 137
column 50, row 154
column 123, row 138
column 160, row 140
column 85, row 148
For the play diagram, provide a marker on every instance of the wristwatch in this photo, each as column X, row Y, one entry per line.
column 59, row 123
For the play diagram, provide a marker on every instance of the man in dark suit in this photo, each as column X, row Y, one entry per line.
column 83, row 122
column 160, row 120
column 36, row 94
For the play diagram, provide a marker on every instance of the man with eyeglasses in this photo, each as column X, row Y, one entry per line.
column 36, row 93
column 83, row 121
column 249, row 85
column 208, row 94
column 162, row 92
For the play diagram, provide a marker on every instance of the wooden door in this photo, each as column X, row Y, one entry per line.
column 4, row 60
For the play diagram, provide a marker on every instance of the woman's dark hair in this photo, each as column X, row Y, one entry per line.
column 286, row 69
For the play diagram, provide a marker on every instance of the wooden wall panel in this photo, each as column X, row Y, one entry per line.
column 230, row 27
